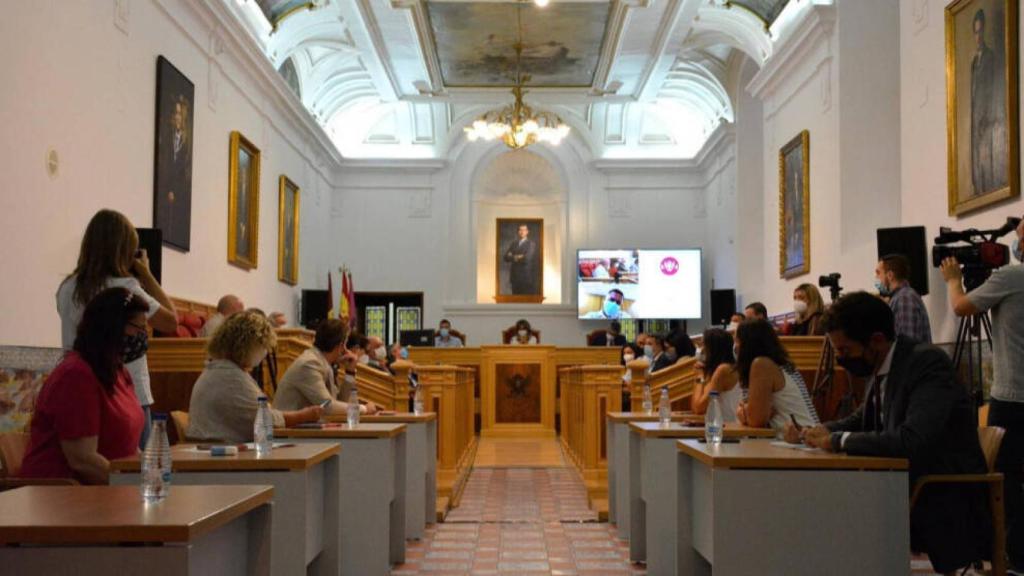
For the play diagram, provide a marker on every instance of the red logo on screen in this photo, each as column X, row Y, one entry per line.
column 669, row 266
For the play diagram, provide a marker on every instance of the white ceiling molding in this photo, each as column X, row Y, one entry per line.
column 737, row 28
column 693, row 83
column 809, row 39
column 675, row 11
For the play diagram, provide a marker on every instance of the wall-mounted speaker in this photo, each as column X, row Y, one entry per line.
column 151, row 240
column 314, row 307
column 723, row 306
column 912, row 242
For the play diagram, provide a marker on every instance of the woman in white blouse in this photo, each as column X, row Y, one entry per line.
column 225, row 398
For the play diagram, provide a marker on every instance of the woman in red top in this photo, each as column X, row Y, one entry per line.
column 87, row 413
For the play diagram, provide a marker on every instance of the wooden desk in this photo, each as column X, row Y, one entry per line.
column 420, row 467
column 617, row 433
column 372, row 484
column 817, row 513
column 652, row 487
column 305, row 527
column 84, row 530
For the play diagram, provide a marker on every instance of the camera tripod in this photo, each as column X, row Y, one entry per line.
column 974, row 330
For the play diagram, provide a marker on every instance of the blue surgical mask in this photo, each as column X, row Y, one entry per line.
column 403, row 353
column 444, row 332
column 881, row 287
column 648, row 350
column 1017, row 249
column 611, row 308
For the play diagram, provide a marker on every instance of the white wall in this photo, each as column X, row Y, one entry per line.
column 81, row 79
column 425, row 221
column 836, row 76
column 923, row 126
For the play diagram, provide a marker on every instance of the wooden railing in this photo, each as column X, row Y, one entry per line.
column 382, row 388
column 448, row 390
column 679, row 378
column 588, row 394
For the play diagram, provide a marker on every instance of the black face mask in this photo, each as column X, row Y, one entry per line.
column 858, row 366
column 135, row 346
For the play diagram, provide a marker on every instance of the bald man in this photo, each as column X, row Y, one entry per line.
column 227, row 307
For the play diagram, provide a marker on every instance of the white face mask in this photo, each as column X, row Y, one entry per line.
column 628, row 358
column 733, row 326
column 380, row 353
column 523, row 333
column 799, row 306
column 364, row 359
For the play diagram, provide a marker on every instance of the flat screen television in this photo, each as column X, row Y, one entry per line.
column 638, row 284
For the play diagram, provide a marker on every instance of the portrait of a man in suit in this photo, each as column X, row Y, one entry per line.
column 988, row 151
column 172, row 202
column 520, row 258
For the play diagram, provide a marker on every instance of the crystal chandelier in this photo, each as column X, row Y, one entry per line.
column 518, row 125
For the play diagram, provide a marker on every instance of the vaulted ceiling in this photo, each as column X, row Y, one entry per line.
column 401, row 78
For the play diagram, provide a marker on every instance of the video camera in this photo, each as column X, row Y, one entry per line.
column 979, row 256
column 831, row 281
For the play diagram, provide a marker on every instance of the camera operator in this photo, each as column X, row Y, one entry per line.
column 1003, row 294
column 892, row 281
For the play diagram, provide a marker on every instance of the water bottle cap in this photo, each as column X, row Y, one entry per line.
column 159, row 417
column 714, row 392
column 261, row 399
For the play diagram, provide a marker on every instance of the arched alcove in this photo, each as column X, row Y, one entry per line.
column 518, row 184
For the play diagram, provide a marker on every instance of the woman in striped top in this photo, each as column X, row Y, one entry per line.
column 775, row 391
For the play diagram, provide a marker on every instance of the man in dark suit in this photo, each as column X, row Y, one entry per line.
column 611, row 337
column 915, row 409
column 521, row 255
column 174, row 175
column 680, row 340
column 660, row 349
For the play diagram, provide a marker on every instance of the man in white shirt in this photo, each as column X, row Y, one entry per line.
column 444, row 337
column 227, row 306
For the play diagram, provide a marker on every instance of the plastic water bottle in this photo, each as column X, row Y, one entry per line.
column 648, row 406
column 713, row 421
column 417, row 402
column 156, row 462
column 664, row 408
column 353, row 409
column 263, row 428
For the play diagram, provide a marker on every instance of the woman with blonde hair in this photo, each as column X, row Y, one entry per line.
column 808, row 305
column 225, row 398
column 109, row 257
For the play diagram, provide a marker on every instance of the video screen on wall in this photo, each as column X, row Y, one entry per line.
column 638, row 284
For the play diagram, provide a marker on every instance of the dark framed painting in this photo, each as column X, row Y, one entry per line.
column 981, row 104
column 795, row 206
column 243, row 202
column 288, row 231
column 520, row 260
column 172, row 172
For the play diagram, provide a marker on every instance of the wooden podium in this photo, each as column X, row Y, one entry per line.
column 517, row 391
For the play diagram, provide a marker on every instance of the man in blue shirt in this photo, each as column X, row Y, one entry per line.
column 444, row 337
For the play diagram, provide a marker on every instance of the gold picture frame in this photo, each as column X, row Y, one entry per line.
column 982, row 127
column 519, row 267
column 243, row 202
column 795, row 206
column 287, row 231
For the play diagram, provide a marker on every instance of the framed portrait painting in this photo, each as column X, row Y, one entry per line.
column 981, row 103
column 520, row 260
column 172, row 173
column 795, row 206
column 243, row 202
column 288, row 231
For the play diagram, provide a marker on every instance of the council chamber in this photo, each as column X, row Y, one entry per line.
column 490, row 287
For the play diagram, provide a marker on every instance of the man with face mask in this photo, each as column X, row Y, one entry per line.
column 444, row 337
column 1003, row 295
column 611, row 307
column 611, row 337
column 915, row 409
column 377, row 353
column 891, row 280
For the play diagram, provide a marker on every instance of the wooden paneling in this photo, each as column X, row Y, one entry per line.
column 588, row 394
column 492, row 389
column 448, row 390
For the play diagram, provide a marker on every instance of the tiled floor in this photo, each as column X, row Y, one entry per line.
column 519, row 520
